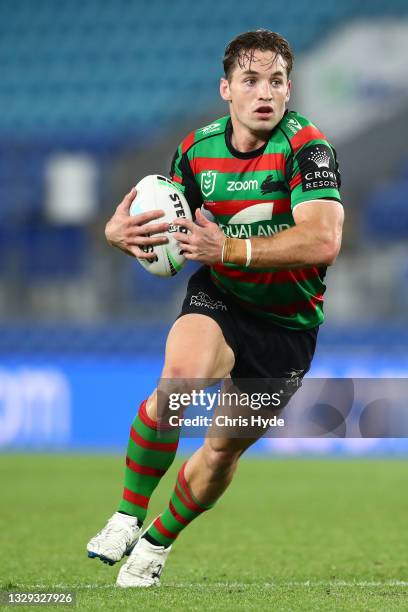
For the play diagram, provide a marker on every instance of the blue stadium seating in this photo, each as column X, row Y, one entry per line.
column 101, row 66
column 385, row 212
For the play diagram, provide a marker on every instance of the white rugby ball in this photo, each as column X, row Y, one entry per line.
column 156, row 192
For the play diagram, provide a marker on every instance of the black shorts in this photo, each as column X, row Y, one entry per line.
column 262, row 349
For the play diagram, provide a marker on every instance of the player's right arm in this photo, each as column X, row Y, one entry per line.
column 130, row 233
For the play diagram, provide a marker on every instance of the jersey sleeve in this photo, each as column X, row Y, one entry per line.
column 181, row 173
column 313, row 168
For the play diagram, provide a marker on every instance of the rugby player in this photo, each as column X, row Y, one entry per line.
column 263, row 183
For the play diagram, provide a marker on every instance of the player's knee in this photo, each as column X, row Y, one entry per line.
column 185, row 371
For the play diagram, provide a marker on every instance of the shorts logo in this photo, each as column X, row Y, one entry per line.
column 208, row 182
column 294, row 378
column 203, row 299
column 317, row 167
column 292, row 374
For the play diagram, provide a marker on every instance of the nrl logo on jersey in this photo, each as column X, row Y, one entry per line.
column 210, row 128
column 294, row 125
column 208, row 182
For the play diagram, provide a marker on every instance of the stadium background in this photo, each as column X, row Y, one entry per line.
column 94, row 96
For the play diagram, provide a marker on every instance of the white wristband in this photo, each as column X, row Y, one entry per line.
column 248, row 252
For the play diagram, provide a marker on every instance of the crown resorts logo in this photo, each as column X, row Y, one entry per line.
column 208, row 182
column 317, row 166
column 320, row 158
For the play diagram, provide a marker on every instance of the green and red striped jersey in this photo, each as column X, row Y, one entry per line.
column 254, row 194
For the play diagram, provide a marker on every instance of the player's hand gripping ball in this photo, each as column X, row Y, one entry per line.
column 155, row 192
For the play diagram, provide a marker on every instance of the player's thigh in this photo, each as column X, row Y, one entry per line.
column 196, row 348
column 196, row 354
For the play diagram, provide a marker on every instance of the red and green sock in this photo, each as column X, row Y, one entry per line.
column 182, row 509
column 150, row 453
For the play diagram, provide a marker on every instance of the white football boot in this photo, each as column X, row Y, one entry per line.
column 116, row 539
column 144, row 566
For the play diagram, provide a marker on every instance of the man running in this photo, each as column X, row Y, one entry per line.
column 263, row 184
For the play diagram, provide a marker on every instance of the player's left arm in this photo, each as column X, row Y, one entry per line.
column 315, row 240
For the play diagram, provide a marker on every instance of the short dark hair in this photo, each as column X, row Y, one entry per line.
column 241, row 49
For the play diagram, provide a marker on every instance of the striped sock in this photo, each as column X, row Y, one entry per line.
column 150, row 453
column 182, row 509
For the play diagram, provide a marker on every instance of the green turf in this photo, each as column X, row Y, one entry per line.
column 288, row 535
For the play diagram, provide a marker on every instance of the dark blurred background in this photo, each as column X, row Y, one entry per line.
column 95, row 95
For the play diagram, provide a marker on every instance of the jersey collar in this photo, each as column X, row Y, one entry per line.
column 248, row 154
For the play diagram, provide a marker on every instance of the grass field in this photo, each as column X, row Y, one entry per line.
column 295, row 534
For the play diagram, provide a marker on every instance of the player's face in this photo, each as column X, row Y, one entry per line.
column 257, row 92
